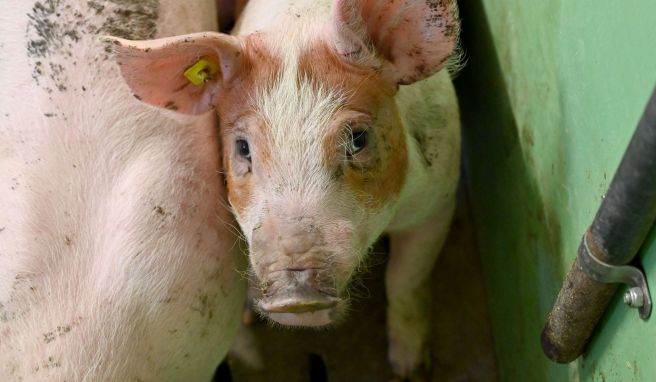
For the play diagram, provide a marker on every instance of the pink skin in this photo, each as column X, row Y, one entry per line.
column 118, row 259
column 310, row 216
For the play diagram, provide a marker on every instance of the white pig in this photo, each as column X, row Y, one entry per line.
column 323, row 149
column 117, row 259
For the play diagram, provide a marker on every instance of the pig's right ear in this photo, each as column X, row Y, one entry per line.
column 182, row 73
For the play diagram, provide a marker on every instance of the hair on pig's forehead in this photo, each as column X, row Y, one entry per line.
column 296, row 118
column 297, row 111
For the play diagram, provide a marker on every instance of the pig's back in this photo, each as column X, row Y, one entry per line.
column 259, row 15
column 115, row 262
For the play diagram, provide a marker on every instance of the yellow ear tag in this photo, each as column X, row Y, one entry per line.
column 201, row 72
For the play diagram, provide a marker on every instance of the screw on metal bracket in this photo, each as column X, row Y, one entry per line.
column 634, row 297
column 637, row 296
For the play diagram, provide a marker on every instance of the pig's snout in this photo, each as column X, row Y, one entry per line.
column 299, row 298
column 285, row 236
column 293, row 264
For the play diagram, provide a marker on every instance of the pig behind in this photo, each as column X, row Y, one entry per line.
column 118, row 261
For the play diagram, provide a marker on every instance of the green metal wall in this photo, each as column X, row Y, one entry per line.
column 550, row 96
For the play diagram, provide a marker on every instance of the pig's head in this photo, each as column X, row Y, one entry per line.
column 314, row 149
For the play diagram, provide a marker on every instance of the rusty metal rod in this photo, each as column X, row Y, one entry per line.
column 619, row 228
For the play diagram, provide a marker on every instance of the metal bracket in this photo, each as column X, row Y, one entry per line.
column 637, row 296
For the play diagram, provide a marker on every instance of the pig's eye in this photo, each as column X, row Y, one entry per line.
column 243, row 150
column 358, row 141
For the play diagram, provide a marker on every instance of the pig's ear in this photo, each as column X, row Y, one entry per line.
column 182, row 73
column 417, row 37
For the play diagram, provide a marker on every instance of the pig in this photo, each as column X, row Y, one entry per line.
column 339, row 123
column 119, row 259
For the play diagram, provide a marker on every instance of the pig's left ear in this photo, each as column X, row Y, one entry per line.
column 417, row 37
column 182, row 73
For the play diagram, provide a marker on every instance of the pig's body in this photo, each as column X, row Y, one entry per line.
column 419, row 220
column 324, row 150
column 117, row 261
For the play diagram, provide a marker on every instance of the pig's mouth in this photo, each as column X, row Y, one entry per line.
column 303, row 307
column 309, row 318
